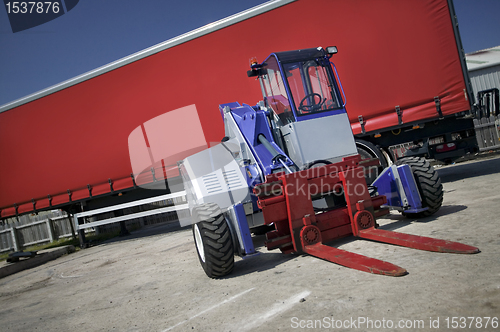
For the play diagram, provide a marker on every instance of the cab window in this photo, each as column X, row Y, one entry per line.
column 276, row 96
column 310, row 87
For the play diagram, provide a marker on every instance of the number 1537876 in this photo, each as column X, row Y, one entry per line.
column 32, row 7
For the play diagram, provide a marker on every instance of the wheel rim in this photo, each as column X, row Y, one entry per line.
column 199, row 243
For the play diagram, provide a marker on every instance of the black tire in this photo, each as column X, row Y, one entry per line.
column 428, row 183
column 213, row 240
column 368, row 150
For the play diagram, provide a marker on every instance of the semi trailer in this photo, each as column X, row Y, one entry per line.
column 404, row 79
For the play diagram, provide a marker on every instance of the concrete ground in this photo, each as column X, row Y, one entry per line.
column 155, row 283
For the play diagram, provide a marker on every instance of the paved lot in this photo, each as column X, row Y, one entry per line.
column 155, row 283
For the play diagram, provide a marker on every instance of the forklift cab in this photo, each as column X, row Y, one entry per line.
column 299, row 85
column 306, row 108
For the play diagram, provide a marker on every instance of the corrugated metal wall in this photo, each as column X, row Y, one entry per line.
column 485, row 78
column 484, row 73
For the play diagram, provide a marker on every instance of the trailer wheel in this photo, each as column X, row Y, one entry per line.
column 368, row 150
column 213, row 240
column 428, row 183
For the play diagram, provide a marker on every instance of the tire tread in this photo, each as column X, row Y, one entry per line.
column 217, row 240
column 428, row 183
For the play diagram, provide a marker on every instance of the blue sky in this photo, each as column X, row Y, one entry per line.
column 98, row 32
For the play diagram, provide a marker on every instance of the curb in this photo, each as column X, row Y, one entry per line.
column 42, row 257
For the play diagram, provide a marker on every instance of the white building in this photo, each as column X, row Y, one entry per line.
column 484, row 71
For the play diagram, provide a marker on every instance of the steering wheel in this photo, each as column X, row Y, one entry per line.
column 313, row 107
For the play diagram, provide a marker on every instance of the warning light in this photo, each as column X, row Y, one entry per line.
column 253, row 61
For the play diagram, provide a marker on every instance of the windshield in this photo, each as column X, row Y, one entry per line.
column 310, row 87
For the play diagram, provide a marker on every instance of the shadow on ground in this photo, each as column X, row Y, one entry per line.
column 469, row 170
column 401, row 221
column 154, row 230
column 263, row 261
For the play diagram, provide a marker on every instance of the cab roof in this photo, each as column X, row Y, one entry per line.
column 300, row 55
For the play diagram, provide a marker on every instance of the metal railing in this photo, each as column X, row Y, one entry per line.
column 173, row 203
column 17, row 235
